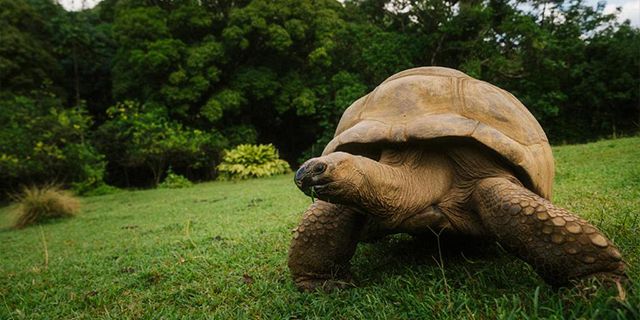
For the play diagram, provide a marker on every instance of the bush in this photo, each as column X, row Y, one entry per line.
column 99, row 190
column 174, row 181
column 40, row 204
column 141, row 136
column 40, row 142
column 252, row 161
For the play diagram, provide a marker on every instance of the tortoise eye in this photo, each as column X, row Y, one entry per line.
column 319, row 168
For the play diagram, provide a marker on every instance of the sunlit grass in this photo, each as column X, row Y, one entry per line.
column 218, row 250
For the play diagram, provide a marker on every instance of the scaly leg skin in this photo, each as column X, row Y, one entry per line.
column 323, row 243
column 560, row 246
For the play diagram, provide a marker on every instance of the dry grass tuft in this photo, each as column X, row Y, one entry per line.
column 40, row 204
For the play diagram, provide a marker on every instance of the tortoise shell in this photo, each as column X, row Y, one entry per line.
column 434, row 102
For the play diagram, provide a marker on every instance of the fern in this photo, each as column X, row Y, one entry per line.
column 251, row 161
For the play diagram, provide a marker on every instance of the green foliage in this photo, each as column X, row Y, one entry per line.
column 140, row 136
column 174, row 181
column 27, row 57
column 251, row 161
column 135, row 27
column 41, row 141
column 545, row 55
column 379, row 54
column 240, row 134
column 41, row 204
column 100, row 190
column 282, row 72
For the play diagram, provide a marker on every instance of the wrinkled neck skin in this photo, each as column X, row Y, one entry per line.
column 402, row 184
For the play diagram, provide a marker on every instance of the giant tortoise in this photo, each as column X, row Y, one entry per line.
column 432, row 149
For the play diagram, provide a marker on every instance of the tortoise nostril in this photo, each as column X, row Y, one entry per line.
column 307, row 171
column 299, row 175
column 319, row 168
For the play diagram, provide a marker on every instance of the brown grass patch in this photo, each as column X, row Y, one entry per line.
column 40, row 204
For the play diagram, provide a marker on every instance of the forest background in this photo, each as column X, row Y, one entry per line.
column 122, row 92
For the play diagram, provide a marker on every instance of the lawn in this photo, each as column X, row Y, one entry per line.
column 218, row 250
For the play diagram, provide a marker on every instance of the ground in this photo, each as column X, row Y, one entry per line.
column 218, row 250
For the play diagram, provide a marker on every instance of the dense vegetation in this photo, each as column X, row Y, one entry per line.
column 124, row 91
column 218, row 250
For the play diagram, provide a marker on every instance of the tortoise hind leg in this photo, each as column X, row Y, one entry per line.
column 560, row 246
column 322, row 245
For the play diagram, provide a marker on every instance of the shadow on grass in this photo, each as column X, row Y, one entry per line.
column 483, row 269
column 467, row 261
column 13, row 216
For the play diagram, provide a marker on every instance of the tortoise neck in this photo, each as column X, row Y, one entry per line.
column 404, row 182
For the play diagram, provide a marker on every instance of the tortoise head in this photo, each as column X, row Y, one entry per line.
column 335, row 177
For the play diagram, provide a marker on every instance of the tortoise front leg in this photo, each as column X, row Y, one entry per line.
column 560, row 246
column 322, row 245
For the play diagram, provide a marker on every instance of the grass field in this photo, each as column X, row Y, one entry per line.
column 218, row 250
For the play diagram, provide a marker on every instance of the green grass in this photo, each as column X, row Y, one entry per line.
column 218, row 250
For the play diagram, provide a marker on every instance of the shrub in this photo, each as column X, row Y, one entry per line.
column 41, row 141
column 141, row 136
column 174, row 181
column 252, row 161
column 100, row 190
column 40, row 204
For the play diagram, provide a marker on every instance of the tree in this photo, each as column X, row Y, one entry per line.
column 196, row 76
column 41, row 142
column 26, row 56
column 137, row 136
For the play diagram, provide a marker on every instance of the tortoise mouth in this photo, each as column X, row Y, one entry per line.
column 314, row 188
column 313, row 184
column 319, row 189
